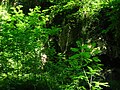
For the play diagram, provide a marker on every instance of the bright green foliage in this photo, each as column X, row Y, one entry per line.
column 22, row 40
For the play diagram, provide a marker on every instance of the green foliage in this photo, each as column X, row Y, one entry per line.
column 81, row 71
column 76, row 18
column 22, row 39
column 84, row 69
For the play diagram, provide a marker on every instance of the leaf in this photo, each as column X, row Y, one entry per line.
column 96, row 59
column 98, row 84
column 92, row 71
column 90, row 68
column 85, row 54
column 75, row 56
column 74, row 49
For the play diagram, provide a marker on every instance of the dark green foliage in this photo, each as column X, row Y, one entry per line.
column 30, row 36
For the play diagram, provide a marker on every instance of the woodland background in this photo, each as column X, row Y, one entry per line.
column 59, row 44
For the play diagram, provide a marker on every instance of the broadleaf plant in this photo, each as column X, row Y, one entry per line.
column 84, row 68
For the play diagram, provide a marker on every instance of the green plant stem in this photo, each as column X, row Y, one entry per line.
column 89, row 82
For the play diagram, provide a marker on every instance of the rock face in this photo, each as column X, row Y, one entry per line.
column 115, row 75
column 114, row 79
column 112, row 71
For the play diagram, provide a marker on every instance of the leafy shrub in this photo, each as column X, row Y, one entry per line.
column 85, row 68
column 81, row 71
column 22, row 39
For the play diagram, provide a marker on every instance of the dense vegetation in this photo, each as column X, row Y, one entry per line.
column 59, row 45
